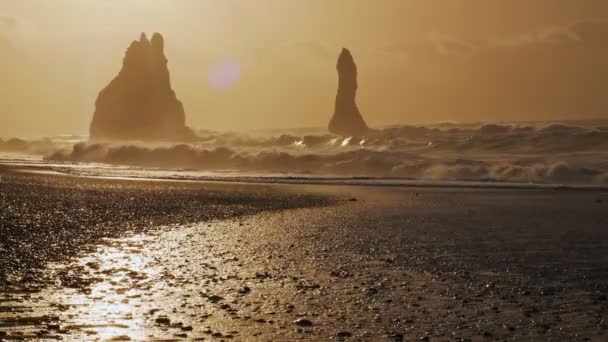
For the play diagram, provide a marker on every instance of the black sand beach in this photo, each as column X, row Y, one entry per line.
column 48, row 218
column 88, row 259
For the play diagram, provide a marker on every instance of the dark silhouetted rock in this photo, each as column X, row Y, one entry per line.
column 13, row 145
column 139, row 103
column 347, row 119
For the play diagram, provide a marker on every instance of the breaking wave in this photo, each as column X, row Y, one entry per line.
column 554, row 153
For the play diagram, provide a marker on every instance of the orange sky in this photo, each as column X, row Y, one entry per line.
column 419, row 60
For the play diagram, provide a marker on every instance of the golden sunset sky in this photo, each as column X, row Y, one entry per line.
column 419, row 60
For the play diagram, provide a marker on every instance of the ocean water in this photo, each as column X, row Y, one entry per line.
column 541, row 153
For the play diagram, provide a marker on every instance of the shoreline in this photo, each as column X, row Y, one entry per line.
column 313, row 180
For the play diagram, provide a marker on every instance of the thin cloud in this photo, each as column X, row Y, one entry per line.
column 584, row 33
column 551, row 72
column 7, row 23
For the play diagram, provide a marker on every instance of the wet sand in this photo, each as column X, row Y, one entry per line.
column 107, row 259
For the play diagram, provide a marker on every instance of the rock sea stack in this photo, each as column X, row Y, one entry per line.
column 347, row 119
column 139, row 103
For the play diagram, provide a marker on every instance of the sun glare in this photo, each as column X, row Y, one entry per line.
column 224, row 74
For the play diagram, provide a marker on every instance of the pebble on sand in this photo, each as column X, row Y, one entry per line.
column 303, row 322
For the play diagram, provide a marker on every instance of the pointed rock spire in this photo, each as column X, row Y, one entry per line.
column 158, row 43
column 347, row 119
column 143, row 40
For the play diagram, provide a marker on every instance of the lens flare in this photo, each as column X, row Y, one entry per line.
column 224, row 74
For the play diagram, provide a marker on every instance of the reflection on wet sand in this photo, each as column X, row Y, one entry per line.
column 182, row 282
column 128, row 289
column 119, row 276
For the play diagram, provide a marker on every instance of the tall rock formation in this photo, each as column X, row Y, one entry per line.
column 139, row 103
column 347, row 119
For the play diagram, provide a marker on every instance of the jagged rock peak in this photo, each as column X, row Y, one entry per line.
column 158, row 42
column 139, row 104
column 143, row 40
column 347, row 119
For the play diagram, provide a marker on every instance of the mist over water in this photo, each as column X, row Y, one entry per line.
column 562, row 153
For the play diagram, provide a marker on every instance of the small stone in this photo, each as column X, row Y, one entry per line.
column 371, row 291
column 396, row 337
column 303, row 322
column 163, row 321
column 215, row 299
column 344, row 334
column 262, row 275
